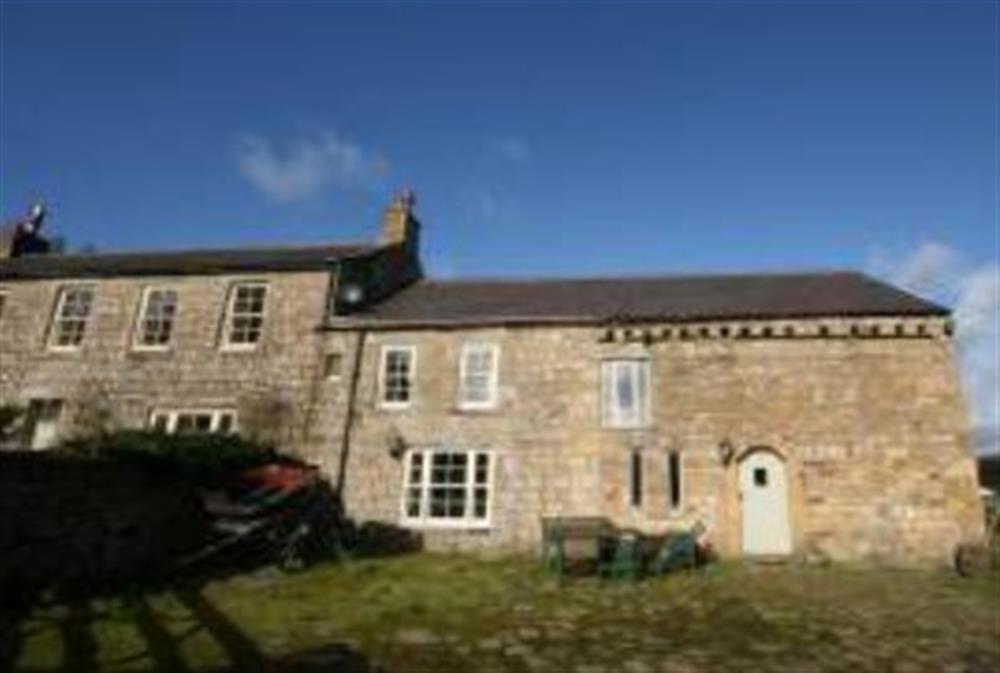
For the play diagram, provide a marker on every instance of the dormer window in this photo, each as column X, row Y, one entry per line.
column 245, row 321
column 73, row 309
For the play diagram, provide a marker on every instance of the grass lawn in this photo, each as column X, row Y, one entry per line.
column 441, row 613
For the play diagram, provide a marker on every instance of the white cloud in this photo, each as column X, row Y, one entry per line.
column 936, row 270
column 306, row 167
column 509, row 148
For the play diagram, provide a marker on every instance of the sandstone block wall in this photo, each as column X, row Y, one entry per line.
column 867, row 415
column 195, row 372
column 872, row 431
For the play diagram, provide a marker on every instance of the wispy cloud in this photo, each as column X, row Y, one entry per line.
column 937, row 270
column 509, row 148
column 306, row 167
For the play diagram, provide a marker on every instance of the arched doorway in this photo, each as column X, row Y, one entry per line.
column 764, row 490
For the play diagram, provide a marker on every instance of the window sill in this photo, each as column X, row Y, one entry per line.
column 388, row 406
column 151, row 350
column 63, row 349
column 239, row 349
column 474, row 410
column 456, row 526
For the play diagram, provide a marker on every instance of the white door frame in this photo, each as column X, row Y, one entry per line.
column 765, row 520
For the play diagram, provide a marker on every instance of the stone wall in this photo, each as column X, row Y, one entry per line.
column 872, row 430
column 866, row 414
column 195, row 372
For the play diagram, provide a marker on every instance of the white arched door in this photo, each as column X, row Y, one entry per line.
column 764, row 487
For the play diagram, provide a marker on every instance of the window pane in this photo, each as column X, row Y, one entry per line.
column 221, row 421
column 457, row 486
column 158, row 318
column 626, row 392
column 71, row 320
column 478, row 375
column 397, row 376
column 225, row 423
column 247, row 314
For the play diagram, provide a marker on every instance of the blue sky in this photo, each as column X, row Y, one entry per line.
column 556, row 139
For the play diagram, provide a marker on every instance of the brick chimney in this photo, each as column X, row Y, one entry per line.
column 399, row 225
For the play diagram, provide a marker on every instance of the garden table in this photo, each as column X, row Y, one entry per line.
column 570, row 540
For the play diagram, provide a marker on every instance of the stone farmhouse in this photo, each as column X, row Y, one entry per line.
column 814, row 414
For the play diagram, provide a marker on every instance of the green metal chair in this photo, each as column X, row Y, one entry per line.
column 679, row 550
column 625, row 560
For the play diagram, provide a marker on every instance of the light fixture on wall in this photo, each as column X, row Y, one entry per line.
column 726, row 451
column 396, row 444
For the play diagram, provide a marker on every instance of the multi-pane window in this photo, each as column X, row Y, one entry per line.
column 626, row 393
column 73, row 310
column 188, row 421
column 397, row 372
column 450, row 488
column 478, row 373
column 156, row 319
column 246, row 315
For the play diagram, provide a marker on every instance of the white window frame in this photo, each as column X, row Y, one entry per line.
column 227, row 327
column 674, row 509
column 383, row 361
column 140, row 323
column 467, row 522
column 173, row 415
column 611, row 414
column 55, row 326
column 492, row 381
column 37, row 417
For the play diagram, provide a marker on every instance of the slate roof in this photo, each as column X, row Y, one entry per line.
column 677, row 298
column 172, row 263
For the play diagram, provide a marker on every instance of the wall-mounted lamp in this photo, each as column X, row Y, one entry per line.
column 726, row 451
column 397, row 445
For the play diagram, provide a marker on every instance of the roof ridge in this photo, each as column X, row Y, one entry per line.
column 196, row 251
column 514, row 280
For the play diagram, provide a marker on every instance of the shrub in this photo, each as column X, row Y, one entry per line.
column 205, row 459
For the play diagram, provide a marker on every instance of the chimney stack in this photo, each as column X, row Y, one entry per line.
column 23, row 236
column 399, row 225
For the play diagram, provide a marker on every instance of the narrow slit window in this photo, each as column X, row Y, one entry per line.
column 674, row 484
column 635, row 474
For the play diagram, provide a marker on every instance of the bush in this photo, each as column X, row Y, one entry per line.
column 204, row 459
